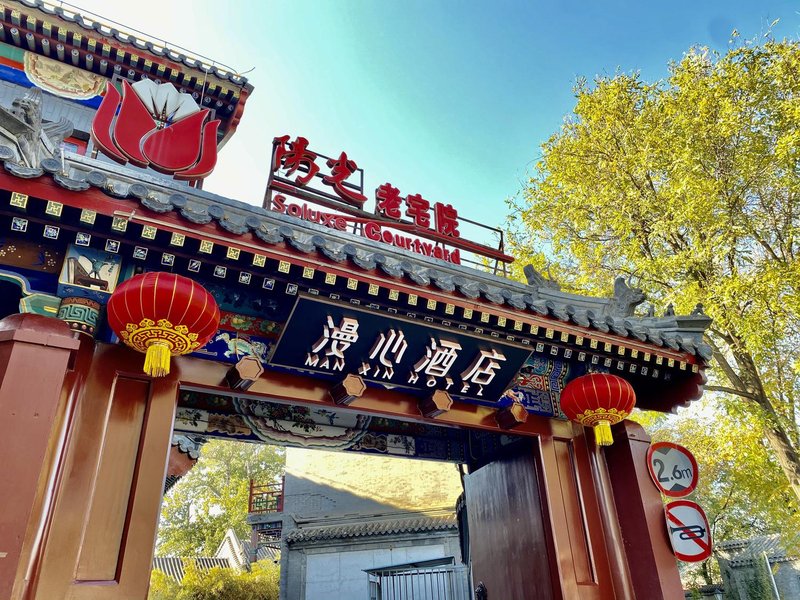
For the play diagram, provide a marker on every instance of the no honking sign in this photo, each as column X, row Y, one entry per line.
column 688, row 529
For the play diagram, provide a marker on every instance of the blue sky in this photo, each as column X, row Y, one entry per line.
column 449, row 99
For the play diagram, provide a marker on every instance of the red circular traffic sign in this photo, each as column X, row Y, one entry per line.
column 688, row 530
column 672, row 468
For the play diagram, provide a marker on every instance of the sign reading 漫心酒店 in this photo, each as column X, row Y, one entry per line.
column 325, row 337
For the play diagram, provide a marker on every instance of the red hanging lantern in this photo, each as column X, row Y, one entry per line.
column 162, row 315
column 598, row 400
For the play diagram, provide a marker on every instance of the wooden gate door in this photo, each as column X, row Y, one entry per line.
column 509, row 546
column 535, row 527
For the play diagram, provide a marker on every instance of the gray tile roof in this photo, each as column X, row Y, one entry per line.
column 175, row 567
column 264, row 552
column 160, row 195
column 372, row 529
column 745, row 552
column 238, row 551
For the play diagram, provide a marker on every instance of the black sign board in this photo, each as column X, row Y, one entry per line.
column 337, row 339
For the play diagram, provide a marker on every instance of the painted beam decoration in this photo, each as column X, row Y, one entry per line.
column 230, row 417
column 324, row 337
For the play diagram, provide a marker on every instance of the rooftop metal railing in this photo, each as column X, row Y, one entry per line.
column 110, row 28
column 265, row 498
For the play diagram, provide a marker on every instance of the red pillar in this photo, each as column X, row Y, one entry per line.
column 652, row 565
column 34, row 355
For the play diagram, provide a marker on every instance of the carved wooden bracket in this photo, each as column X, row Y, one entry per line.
column 511, row 416
column 347, row 390
column 436, row 404
column 244, row 373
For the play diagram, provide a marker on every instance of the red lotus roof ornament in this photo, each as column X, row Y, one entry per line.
column 154, row 125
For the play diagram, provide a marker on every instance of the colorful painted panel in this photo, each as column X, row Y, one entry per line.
column 336, row 339
column 230, row 346
column 28, row 69
column 264, row 304
column 249, row 325
column 241, row 335
column 29, row 255
column 316, row 427
column 61, row 79
column 89, row 273
column 539, row 383
column 40, row 304
column 36, row 264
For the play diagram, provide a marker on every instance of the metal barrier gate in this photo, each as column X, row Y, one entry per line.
column 448, row 582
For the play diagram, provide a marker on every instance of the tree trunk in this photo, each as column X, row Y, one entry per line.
column 785, row 452
column 774, row 430
column 706, row 572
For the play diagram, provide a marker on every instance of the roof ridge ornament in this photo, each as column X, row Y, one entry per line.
column 24, row 132
column 626, row 298
column 538, row 281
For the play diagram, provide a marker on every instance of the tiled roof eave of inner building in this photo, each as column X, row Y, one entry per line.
column 373, row 528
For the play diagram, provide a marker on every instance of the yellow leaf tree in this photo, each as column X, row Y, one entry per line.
column 692, row 185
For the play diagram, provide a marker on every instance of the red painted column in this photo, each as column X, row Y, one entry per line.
column 620, row 573
column 34, row 356
column 652, row 565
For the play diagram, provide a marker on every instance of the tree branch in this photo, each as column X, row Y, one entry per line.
column 729, row 390
column 729, row 371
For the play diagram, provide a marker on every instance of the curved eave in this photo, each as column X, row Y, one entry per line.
column 516, row 309
column 239, row 223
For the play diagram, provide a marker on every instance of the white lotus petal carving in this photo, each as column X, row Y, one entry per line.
column 164, row 101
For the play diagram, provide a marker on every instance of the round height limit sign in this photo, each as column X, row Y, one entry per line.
column 673, row 469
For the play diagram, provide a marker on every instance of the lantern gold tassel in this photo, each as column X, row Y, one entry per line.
column 156, row 361
column 602, row 433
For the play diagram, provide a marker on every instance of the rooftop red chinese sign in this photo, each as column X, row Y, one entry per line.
column 410, row 222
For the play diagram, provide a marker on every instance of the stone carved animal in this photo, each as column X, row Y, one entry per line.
column 25, row 132
column 626, row 298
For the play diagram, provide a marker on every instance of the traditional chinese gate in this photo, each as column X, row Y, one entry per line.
column 322, row 305
column 90, row 433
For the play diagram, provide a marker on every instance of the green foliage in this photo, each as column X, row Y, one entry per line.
column 260, row 583
column 692, row 185
column 759, row 586
column 213, row 497
column 740, row 485
column 162, row 587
